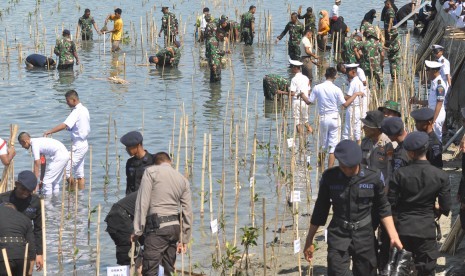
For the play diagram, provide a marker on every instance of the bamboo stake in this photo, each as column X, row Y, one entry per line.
column 132, row 266
column 7, row 169
column 97, row 263
column 264, row 236
column 178, row 154
column 62, row 219
column 236, row 181
column 202, row 182
column 44, row 237
column 210, row 175
column 6, row 262
column 89, row 196
column 26, row 259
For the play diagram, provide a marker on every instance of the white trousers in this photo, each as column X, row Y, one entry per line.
column 329, row 131
column 78, row 156
column 437, row 127
column 54, row 174
column 300, row 110
column 352, row 124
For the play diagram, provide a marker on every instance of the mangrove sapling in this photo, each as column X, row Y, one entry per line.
column 248, row 239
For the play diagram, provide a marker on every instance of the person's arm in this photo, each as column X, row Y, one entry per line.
column 37, row 168
column 350, row 99
column 252, row 24
column 305, row 98
column 6, row 158
column 437, row 110
column 388, row 223
column 444, row 197
column 142, row 205
column 279, row 37
column 187, row 217
column 78, row 29
column 75, row 53
column 309, row 247
column 381, row 52
column 30, row 240
column 95, row 26
column 38, row 236
column 57, row 128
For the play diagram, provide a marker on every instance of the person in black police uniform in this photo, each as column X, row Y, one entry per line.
column 461, row 191
column 424, row 122
column 353, row 191
column 15, row 232
column 120, row 227
column 140, row 159
column 39, row 61
column 413, row 191
column 393, row 127
column 26, row 202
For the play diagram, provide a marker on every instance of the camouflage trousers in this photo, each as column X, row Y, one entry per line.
column 307, row 67
column 247, row 36
column 293, row 51
column 215, row 72
column 394, row 66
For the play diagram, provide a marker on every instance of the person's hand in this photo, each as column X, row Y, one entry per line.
column 308, row 252
column 396, row 243
column 47, row 133
column 182, row 248
column 11, row 150
column 77, row 61
column 359, row 94
column 39, row 262
column 277, row 40
column 159, row 34
column 413, row 100
column 462, row 144
column 134, row 237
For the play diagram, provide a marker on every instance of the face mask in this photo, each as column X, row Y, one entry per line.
column 321, row 15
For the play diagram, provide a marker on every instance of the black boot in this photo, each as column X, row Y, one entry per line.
column 390, row 266
column 403, row 263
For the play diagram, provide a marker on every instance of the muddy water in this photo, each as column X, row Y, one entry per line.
column 153, row 99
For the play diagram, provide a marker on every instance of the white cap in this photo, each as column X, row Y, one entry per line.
column 433, row 64
column 295, row 62
column 437, row 47
column 352, row 65
column 338, row 1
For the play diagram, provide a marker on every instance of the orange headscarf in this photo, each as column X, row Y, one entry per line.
column 323, row 24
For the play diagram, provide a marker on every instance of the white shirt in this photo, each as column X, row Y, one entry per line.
column 300, row 84
column 334, row 11
column 458, row 11
column 305, row 43
column 355, row 86
column 48, row 147
column 78, row 123
column 203, row 23
column 3, row 147
column 445, row 68
column 460, row 22
column 437, row 93
column 361, row 74
column 329, row 97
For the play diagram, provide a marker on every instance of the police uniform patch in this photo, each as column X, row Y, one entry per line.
column 365, row 186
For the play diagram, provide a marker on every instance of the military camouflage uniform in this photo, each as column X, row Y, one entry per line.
column 349, row 50
column 309, row 21
column 295, row 36
column 272, row 83
column 169, row 26
column 164, row 57
column 210, row 31
column 230, row 30
column 371, row 59
column 86, row 27
column 214, row 55
column 65, row 49
column 247, row 19
column 366, row 26
column 394, row 55
column 390, row 13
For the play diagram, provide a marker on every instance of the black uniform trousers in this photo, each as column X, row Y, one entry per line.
column 424, row 251
column 160, row 248
column 16, row 267
column 362, row 261
column 120, row 228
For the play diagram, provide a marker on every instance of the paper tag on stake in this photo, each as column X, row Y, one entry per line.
column 252, row 179
column 308, row 160
column 290, row 142
column 296, row 246
column 295, row 196
column 214, row 226
column 118, row 270
column 326, row 235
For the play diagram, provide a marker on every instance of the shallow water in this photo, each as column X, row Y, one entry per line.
column 35, row 101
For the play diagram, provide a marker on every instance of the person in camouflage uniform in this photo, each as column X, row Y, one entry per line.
column 66, row 51
column 394, row 53
column 296, row 30
column 372, row 57
column 309, row 18
column 248, row 26
column 350, row 47
column 169, row 56
column 169, row 26
column 388, row 19
column 210, row 29
column 229, row 28
column 366, row 26
column 272, row 83
column 85, row 23
column 214, row 55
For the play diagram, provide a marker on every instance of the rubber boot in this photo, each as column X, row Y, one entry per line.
column 403, row 263
column 390, row 266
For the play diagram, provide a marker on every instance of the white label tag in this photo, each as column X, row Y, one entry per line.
column 161, row 270
column 214, row 226
column 308, row 160
column 295, row 196
column 290, row 142
column 326, row 235
column 118, row 270
column 296, row 246
column 252, row 179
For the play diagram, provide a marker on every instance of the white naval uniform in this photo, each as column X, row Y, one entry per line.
column 57, row 157
column 334, row 11
column 78, row 123
column 361, row 75
column 352, row 124
column 438, row 93
column 3, row 147
column 329, row 97
column 445, row 68
column 300, row 84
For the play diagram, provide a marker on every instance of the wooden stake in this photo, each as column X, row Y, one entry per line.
column 89, row 196
column 26, row 259
column 44, row 236
column 6, row 262
column 202, row 182
column 264, row 236
column 97, row 263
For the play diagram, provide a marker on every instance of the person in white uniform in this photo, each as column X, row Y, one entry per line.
column 57, row 157
column 306, row 54
column 329, row 98
column 6, row 153
column 352, row 124
column 78, row 123
column 341, row 68
column 438, row 52
column 335, row 9
column 299, row 91
column 436, row 96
